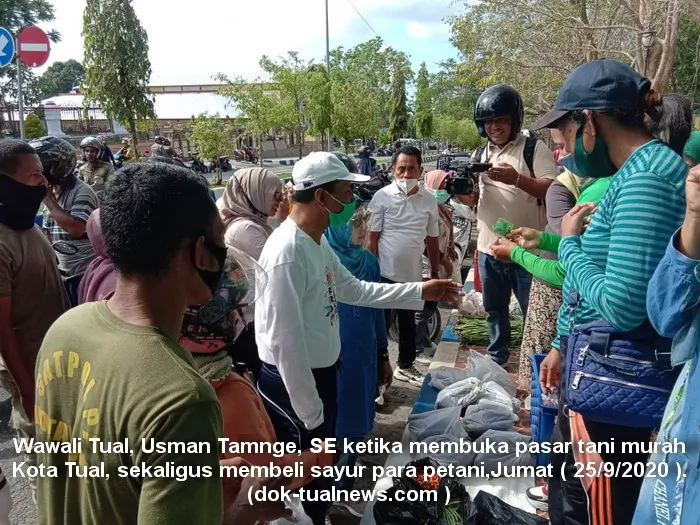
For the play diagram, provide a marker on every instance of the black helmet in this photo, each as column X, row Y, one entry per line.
column 350, row 164
column 57, row 156
column 498, row 101
column 160, row 139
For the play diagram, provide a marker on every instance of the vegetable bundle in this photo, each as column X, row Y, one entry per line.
column 475, row 331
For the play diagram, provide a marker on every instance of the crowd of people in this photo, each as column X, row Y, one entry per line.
column 144, row 309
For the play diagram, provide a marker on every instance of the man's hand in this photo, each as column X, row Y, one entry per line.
column 692, row 192
column 549, row 370
column 50, row 198
column 242, row 512
column 386, row 374
column 528, row 238
column 572, row 223
column 442, row 291
column 446, row 263
column 502, row 249
column 504, row 173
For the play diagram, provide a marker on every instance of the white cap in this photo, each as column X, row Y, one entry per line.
column 321, row 168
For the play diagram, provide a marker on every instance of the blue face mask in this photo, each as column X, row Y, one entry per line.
column 441, row 196
column 569, row 162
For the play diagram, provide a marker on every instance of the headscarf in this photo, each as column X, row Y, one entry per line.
column 100, row 278
column 692, row 147
column 435, row 178
column 248, row 195
column 359, row 261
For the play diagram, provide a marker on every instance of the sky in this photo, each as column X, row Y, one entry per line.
column 192, row 40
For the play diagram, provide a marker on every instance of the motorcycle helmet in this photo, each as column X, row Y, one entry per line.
column 350, row 164
column 365, row 151
column 57, row 156
column 498, row 101
column 160, row 139
column 211, row 327
column 91, row 142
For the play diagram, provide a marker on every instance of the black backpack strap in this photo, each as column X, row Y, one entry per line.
column 529, row 158
column 478, row 152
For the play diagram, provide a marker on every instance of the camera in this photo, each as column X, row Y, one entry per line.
column 465, row 173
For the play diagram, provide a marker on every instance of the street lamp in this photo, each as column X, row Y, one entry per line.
column 647, row 41
column 328, row 71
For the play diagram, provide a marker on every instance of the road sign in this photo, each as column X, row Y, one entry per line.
column 7, row 47
column 33, row 46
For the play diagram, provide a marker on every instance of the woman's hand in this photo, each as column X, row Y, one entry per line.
column 692, row 191
column 528, row 238
column 502, row 249
column 549, row 370
column 572, row 223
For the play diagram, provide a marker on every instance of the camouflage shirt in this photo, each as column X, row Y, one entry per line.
column 95, row 175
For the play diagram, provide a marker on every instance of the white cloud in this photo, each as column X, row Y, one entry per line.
column 418, row 30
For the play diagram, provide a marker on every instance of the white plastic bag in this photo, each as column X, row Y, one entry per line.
column 445, row 376
column 299, row 517
column 460, row 394
column 514, row 308
column 486, row 369
column 444, row 458
column 472, row 304
column 443, row 422
column 495, row 392
column 485, row 416
column 492, row 460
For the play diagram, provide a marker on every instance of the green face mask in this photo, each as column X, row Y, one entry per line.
column 342, row 218
column 597, row 163
column 441, row 196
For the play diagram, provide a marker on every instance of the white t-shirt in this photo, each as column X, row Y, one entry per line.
column 296, row 318
column 404, row 223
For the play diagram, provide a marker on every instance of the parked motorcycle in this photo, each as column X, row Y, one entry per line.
column 225, row 164
column 378, row 180
column 194, row 163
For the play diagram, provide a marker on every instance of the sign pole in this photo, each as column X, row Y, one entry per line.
column 20, row 102
column 328, row 72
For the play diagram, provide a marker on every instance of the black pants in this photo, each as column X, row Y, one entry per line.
column 407, row 333
column 244, row 351
column 569, row 504
column 289, row 428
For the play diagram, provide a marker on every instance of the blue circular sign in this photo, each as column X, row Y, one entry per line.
column 7, row 47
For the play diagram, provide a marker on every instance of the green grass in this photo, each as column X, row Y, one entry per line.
column 284, row 175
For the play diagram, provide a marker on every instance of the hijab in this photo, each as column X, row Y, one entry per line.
column 360, row 262
column 248, row 196
column 100, row 278
column 435, row 178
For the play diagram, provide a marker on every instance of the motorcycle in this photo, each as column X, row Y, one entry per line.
column 434, row 326
column 118, row 160
column 465, row 232
column 194, row 163
column 225, row 164
column 379, row 179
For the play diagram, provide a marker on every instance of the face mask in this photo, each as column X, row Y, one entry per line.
column 406, row 185
column 213, row 278
column 19, row 203
column 342, row 218
column 441, row 196
column 597, row 163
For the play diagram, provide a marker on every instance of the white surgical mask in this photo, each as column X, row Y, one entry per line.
column 407, row 185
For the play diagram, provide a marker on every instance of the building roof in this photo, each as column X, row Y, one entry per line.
column 168, row 106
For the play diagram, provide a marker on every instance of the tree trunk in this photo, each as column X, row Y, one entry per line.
column 134, row 138
column 261, row 151
column 300, row 140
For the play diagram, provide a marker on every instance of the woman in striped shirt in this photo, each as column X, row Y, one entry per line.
column 601, row 110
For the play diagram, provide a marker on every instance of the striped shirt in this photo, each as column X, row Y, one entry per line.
column 611, row 264
column 79, row 201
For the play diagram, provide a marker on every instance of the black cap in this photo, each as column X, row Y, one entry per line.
column 599, row 85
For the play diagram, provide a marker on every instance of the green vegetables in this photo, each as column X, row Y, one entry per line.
column 452, row 516
column 475, row 331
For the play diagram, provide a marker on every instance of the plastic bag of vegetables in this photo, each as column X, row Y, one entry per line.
column 445, row 376
column 436, row 422
column 460, row 394
column 486, row 369
column 487, row 415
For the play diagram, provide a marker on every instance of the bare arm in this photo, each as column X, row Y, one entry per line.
column 75, row 228
column 11, row 353
column 433, row 253
column 535, row 187
column 689, row 241
column 373, row 242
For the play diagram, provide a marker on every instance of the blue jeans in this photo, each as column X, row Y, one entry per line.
column 498, row 281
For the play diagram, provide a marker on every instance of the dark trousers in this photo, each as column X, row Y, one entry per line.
column 71, row 285
column 569, row 504
column 499, row 280
column 244, row 352
column 289, row 427
column 407, row 333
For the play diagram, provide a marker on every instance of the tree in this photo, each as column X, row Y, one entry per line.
column 14, row 15
column 355, row 110
column 60, row 77
column 319, row 108
column 255, row 105
column 533, row 44
column 398, row 119
column 423, row 116
column 213, row 137
column 117, row 68
column 453, row 93
column 686, row 78
column 33, row 126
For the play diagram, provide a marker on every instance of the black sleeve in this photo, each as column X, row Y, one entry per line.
column 559, row 202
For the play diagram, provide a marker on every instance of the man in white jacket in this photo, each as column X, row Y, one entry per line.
column 296, row 319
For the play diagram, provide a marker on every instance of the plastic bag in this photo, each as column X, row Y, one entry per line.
column 462, row 393
column 299, row 517
column 487, row 370
column 514, row 308
column 495, row 392
column 488, row 416
column 492, row 460
column 494, row 511
column 445, row 376
column 472, row 304
column 445, row 458
column 443, row 422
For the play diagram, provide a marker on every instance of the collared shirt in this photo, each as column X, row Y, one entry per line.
column 499, row 200
column 404, row 222
column 95, row 175
column 666, row 496
column 79, row 201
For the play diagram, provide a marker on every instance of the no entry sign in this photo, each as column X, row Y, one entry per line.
column 33, row 46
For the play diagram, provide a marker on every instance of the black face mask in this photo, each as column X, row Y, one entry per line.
column 213, row 278
column 19, row 203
